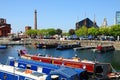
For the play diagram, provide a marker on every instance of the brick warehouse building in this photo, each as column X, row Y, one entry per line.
column 4, row 28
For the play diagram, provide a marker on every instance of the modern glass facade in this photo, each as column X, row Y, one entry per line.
column 118, row 17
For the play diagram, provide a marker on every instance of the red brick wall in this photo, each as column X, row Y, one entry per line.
column 5, row 30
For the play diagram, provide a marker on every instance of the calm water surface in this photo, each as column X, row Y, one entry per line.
column 108, row 57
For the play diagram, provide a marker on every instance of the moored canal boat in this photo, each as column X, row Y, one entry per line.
column 14, row 73
column 101, row 70
column 46, row 46
column 23, row 69
column 3, row 47
column 105, row 48
column 68, row 46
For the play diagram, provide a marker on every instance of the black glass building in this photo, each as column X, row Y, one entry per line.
column 86, row 22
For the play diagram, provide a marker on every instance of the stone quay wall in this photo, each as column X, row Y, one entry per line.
column 94, row 43
column 116, row 44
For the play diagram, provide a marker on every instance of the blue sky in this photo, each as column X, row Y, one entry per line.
column 61, row 14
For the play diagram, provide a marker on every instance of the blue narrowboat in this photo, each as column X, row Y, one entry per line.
column 22, row 69
column 3, row 47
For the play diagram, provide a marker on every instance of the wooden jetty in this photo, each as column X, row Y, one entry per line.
column 100, row 48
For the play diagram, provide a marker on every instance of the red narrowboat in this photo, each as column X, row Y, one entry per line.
column 92, row 67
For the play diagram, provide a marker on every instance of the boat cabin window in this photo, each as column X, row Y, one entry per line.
column 54, row 77
column 83, row 75
column 39, row 69
column 16, row 64
column 5, row 76
column 99, row 69
column 28, row 79
column 63, row 79
column 28, row 66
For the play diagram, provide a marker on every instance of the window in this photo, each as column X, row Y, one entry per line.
column 28, row 66
column 16, row 64
column 54, row 77
column 28, row 79
column 39, row 69
column 63, row 78
column 99, row 69
column 5, row 76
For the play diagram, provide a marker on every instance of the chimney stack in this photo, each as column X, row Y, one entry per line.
column 35, row 20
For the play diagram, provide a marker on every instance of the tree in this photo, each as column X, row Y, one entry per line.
column 51, row 31
column 83, row 31
column 59, row 31
column 115, row 30
column 71, row 31
column 31, row 32
column 104, row 31
column 39, row 32
column 93, row 31
column 65, row 34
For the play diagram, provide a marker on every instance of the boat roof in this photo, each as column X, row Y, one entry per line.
column 19, row 71
column 72, row 59
column 35, row 63
column 67, row 72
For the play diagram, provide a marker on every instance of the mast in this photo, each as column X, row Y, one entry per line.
column 94, row 22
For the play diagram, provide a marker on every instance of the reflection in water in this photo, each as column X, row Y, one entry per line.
column 108, row 57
